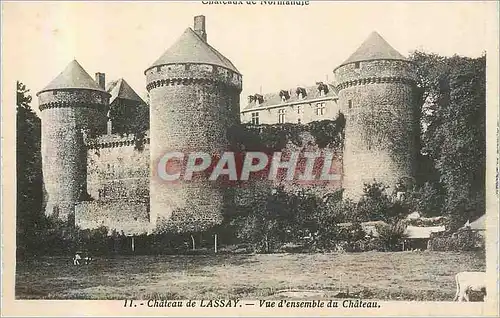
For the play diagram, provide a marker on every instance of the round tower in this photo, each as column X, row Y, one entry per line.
column 72, row 105
column 194, row 99
column 376, row 95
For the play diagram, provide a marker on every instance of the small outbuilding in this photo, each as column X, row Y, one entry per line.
column 417, row 237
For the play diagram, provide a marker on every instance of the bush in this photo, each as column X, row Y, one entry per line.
column 391, row 235
column 463, row 240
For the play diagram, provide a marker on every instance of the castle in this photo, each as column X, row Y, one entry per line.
column 93, row 171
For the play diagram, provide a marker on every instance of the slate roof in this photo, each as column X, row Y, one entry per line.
column 271, row 99
column 121, row 89
column 375, row 47
column 191, row 48
column 73, row 76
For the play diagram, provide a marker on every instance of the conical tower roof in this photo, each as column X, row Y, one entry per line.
column 191, row 48
column 374, row 48
column 121, row 89
column 73, row 77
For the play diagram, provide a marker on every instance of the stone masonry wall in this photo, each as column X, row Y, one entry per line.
column 118, row 183
column 116, row 170
column 191, row 106
column 130, row 217
column 320, row 187
column 377, row 101
column 66, row 117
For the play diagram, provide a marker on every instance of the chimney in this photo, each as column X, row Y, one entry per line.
column 199, row 27
column 100, row 79
column 109, row 127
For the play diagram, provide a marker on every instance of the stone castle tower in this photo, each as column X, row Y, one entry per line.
column 194, row 98
column 376, row 94
column 72, row 105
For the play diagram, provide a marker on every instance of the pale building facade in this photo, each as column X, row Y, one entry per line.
column 299, row 105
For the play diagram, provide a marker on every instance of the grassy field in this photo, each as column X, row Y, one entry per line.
column 371, row 275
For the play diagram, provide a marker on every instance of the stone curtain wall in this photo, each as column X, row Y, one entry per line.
column 192, row 106
column 320, row 187
column 377, row 100
column 67, row 116
column 118, row 183
column 116, row 170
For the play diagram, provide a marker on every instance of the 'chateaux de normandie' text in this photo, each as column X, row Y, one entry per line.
column 280, row 3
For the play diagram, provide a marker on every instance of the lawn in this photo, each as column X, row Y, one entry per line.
column 371, row 275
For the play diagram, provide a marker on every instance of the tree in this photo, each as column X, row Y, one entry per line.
column 453, row 108
column 265, row 220
column 29, row 210
column 376, row 205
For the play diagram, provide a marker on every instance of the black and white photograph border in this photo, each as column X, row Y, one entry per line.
column 246, row 158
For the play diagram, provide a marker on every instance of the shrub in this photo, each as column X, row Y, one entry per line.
column 391, row 235
column 463, row 240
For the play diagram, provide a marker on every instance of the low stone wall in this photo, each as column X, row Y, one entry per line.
column 130, row 217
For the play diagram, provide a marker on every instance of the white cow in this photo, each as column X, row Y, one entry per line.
column 469, row 281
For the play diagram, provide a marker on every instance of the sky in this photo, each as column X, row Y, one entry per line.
column 273, row 46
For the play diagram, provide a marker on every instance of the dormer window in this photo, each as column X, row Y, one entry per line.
column 301, row 92
column 357, row 65
column 284, row 95
column 322, row 88
column 251, row 99
column 259, row 99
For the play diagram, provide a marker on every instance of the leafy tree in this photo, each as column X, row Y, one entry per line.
column 29, row 211
column 453, row 108
column 266, row 220
column 377, row 205
column 427, row 199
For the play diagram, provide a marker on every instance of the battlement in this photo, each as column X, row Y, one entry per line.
column 374, row 72
column 73, row 98
column 114, row 141
column 191, row 73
